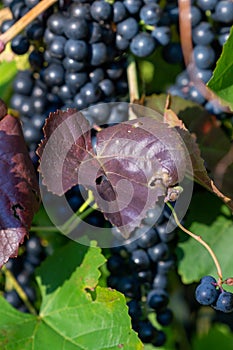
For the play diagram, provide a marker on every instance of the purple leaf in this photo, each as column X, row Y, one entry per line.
column 19, row 192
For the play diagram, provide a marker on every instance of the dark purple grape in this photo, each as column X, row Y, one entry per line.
column 72, row 65
column 56, row 23
column 101, row 11
column 56, row 47
column 164, row 317
column 121, row 43
column 224, row 302
column 96, row 76
column 224, row 12
column 20, row 44
column 150, row 14
column 208, row 279
column 107, row 87
column 206, row 5
column 158, row 252
column 75, row 81
column 203, row 34
column 142, row 45
column 98, row 54
column 206, row 293
column 76, row 28
column 204, row 56
column 91, row 93
column 157, row 299
column 133, row 6
column 76, row 49
column 148, row 238
column 23, row 83
column 6, row 25
column 35, row 30
column 119, row 12
column 160, row 339
column 116, row 264
column 162, row 35
column 128, row 28
column 53, row 75
column 140, row 259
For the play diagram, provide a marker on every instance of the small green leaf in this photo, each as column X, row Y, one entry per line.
column 219, row 336
column 222, row 80
column 75, row 313
column 214, row 224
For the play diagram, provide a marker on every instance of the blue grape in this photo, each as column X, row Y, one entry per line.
column 206, row 4
column 128, row 28
column 150, row 14
column 202, row 34
column 162, row 35
column 224, row 302
column 101, row 10
column 142, row 45
column 204, row 56
column 206, row 293
column 224, row 12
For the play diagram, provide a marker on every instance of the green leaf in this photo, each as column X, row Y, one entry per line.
column 75, row 313
column 8, row 71
column 219, row 336
column 222, row 80
column 211, row 220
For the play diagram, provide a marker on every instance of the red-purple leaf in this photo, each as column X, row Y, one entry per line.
column 68, row 133
column 19, row 192
column 136, row 162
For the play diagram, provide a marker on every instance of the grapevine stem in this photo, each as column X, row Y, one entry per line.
column 9, row 275
column 132, row 80
column 200, row 240
column 24, row 21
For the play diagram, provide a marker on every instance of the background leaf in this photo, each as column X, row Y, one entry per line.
column 216, row 229
column 222, row 80
column 75, row 313
column 219, row 334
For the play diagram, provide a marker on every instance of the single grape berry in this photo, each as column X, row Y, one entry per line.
column 142, row 45
column 208, row 279
column 224, row 302
column 157, row 299
column 206, row 293
column 164, row 317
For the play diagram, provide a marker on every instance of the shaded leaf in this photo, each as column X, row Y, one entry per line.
column 19, row 190
column 75, row 312
column 222, row 80
column 201, row 127
column 218, row 335
column 216, row 229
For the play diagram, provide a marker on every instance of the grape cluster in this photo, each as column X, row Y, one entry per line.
column 207, row 293
column 211, row 23
column 77, row 54
column 23, row 270
column 140, row 269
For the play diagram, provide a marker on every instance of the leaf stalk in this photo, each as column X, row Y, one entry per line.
column 23, row 296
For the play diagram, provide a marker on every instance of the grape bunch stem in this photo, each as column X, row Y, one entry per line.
column 23, row 22
column 201, row 241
